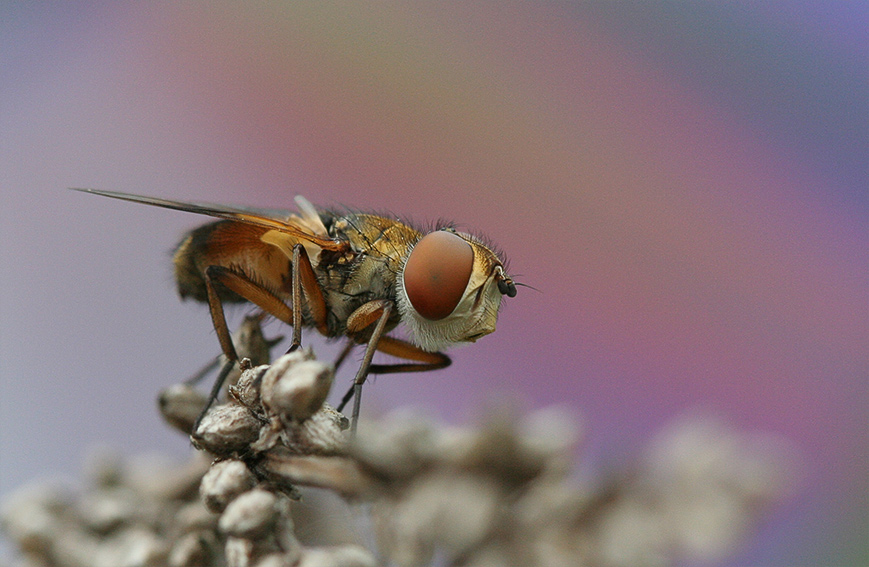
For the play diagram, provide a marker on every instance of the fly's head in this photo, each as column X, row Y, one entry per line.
column 450, row 288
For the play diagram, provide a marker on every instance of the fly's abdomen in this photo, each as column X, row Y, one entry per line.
column 233, row 245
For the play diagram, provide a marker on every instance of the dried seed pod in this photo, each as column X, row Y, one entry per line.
column 132, row 546
column 259, row 530
column 107, row 509
column 223, row 482
column 250, row 341
column 226, row 430
column 277, row 560
column 194, row 517
column 104, row 467
column 33, row 517
column 295, row 386
column 247, row 390
column 453, row 512
column 251, row 515
column 250, row 344
column 284, row 531
column 553, row 433
column 162, row 482
column 337, row 556
column 497, row 450
column 180, row 405
column 336, row 473
column 195, row 549
column 76, row 547
column 496, row 494
column 239, row 552
column 398, row 448
column 325, row 433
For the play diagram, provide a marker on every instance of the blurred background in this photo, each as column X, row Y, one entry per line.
column 685, row 183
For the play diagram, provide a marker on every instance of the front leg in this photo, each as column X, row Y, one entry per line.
column 253, row 292
column 379, row 311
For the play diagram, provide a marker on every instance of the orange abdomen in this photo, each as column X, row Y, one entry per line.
column 233, row 245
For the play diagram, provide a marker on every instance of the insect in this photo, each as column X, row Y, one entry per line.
column 348, row 275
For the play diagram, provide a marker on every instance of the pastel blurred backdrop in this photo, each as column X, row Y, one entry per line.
column 685, row 183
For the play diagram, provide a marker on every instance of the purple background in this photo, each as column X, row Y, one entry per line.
column 685, row 183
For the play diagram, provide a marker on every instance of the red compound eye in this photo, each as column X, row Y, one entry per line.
column 437, row 273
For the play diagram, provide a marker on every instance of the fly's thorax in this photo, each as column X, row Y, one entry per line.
column 368, row 270
column 379, row 245
column 448, row 289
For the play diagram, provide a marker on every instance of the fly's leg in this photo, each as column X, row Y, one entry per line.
column 253, row 292
column 305, row 281
column 253, row 347
column 424, row 361
column 203, row 372
column 385, row 310
column 297, row 300
column 378, row 312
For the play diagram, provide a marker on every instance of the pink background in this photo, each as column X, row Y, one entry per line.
column 686, row 185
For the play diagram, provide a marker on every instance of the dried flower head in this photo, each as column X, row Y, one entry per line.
column 500, row 493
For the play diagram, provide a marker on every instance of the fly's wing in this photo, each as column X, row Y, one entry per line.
column 306, row 228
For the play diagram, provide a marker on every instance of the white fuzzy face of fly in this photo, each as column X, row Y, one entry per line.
column 449, row 290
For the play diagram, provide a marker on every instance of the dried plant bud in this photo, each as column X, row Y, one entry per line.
column 107, row 509
column 223, row 482
column 164, row 482
column 77, row 548
column 250, row 515
column 397, row 448
column 240, row 552
column 698, row 452
column 226, row 430
column 339, row 474
column 104, row 468
column 325, row 433
column 250, row 341
column 499, row 493
column 497, row 449
column 449, row 512
column 195, row 549
column 195, row 517
column 338, row 556
column 180, row 405
column 134, row 546
column 554, row 434
column 251, row 345
column 708, row 480
column 33, row 516
column 284, row 534
column 259, row 530
column 295, row 386
column 247, row 391
column 277, row 560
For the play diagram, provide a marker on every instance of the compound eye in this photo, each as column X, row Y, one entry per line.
column 437, row 273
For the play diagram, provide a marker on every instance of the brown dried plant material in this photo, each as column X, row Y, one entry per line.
column 250, row 516
column 227, row 430
column 180, row 405
column 295, row 387
column 499, row 493
column 223, row 482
